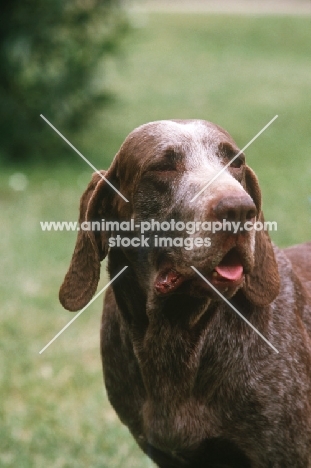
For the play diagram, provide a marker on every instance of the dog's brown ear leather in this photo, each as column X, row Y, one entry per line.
column 262, row 285
column 82, row 278
column 252, row 187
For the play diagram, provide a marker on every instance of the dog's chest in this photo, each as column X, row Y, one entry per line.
column 183, row 424
column 178, row 411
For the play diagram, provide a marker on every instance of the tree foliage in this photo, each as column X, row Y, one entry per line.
column 52, row 57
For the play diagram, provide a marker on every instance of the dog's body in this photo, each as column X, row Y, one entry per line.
column 195, row 384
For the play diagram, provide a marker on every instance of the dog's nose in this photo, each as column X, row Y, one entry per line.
column 235, row 209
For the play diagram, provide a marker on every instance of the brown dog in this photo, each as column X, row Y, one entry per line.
column 195, row 384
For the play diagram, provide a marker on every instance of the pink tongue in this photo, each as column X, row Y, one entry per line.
column 230, row 272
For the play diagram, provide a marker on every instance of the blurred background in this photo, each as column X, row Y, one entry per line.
column 97, row 69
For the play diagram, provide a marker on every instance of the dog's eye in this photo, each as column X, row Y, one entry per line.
column 169, row 163
column 228, row 152
column 238, row 162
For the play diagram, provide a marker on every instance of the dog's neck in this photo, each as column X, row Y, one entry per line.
column 173, row 346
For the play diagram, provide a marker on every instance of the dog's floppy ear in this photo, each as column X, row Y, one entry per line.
column 81, row 280
column 262, row 285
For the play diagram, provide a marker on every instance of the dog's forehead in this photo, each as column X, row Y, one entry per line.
column 183, row 132
column 199, row 141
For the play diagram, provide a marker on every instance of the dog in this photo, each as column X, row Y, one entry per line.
column 196, row 385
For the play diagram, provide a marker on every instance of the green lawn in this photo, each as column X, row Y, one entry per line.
column 235, row 71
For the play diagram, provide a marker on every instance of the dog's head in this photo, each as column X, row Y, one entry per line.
column 174, row 176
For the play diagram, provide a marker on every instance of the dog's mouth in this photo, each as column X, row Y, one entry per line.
column 228, row 274
column 230, row 269
column 168, row 280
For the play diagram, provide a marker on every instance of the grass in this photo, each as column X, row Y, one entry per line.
column 236, row 71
